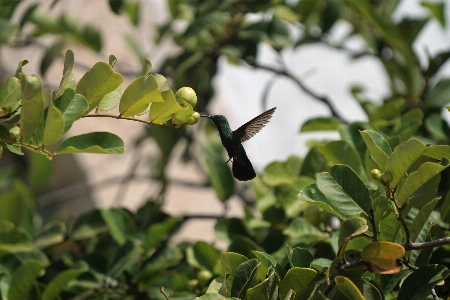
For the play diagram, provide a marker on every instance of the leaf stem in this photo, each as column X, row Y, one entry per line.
column 34, row 147
column 120, row 117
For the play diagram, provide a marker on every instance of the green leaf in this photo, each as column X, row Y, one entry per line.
column 348, row 288
column 314, row 163
column 10, row 93
column 161, row 260
column 18, row 199
column 23, row 278
column 267, row 260
column 203, row 256
column 63, row 279
column 402, row 158
column 138, row 95
column 410, row 122
column 163, row 85
column 438, row 152
column 146, row 67
column 215, row 296
column 410, row 28
column 290, row 202
column 390, row 229
column 50, row 54
column 72, row 107
column 321, row 124
column 93, row 142
column 303, row 234
column 159, row 232
column 33, row 102
column 52, row 234
column 348, row 193
column 422, row 257
column 120, row 223
column 435, row 124
column 299, row 257
column 98, row 82
column 54, row 126
column 266, row 290
column 391, row 281
column 110, row 100
column 126, row 257
column 277, row 173
column 300, row 280
column 421, row 218
column 350, row 228
column 312, row 193
column 321, row 263
column 219, row 173
column 418, row 285
column 19, row 67
column 163, row 112
column 112, row 60
column 378, row 147
column 341, row 152
column 88, row 225
column 91, row 38
column 14, row 241
column 417, row 179
column 437, row 10
column 230, row 261
column 242, row 278
column 227, row 229
column 68, row 80
column 437, row 96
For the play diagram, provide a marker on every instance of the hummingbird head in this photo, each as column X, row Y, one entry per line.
column 219, row 120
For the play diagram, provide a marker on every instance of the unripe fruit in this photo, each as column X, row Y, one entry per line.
column 194, row 118
column 192, row 284
column 386, row 177
column 203, row 277
column 187, row 94
column 376, row 174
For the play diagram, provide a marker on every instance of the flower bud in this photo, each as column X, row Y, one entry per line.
column 376, row 174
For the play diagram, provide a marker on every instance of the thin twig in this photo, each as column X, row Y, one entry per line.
column 433, row 293
column 303, row 86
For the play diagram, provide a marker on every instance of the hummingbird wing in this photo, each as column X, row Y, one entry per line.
column 252, row 127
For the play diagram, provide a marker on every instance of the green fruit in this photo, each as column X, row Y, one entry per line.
column 187, row 94
column 194, row 118
column 203, row 277
column 386, row 177
column 376, row 174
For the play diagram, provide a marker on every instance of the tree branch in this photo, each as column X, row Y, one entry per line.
column 324, row 99
column 424, row 245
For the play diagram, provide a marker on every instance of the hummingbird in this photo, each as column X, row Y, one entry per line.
column 232, row 141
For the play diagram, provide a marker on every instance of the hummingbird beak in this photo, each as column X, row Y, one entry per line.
column 205, row 116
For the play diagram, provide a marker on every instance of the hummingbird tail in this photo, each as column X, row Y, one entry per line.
column 242, row 167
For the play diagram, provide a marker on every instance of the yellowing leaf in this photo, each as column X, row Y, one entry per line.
column 381, row 257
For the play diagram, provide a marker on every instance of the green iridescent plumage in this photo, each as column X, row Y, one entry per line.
column 232, row 141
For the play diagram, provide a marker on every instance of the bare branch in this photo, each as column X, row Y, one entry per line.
column 284, row 72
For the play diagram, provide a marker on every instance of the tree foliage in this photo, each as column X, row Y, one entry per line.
column 365, row 216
